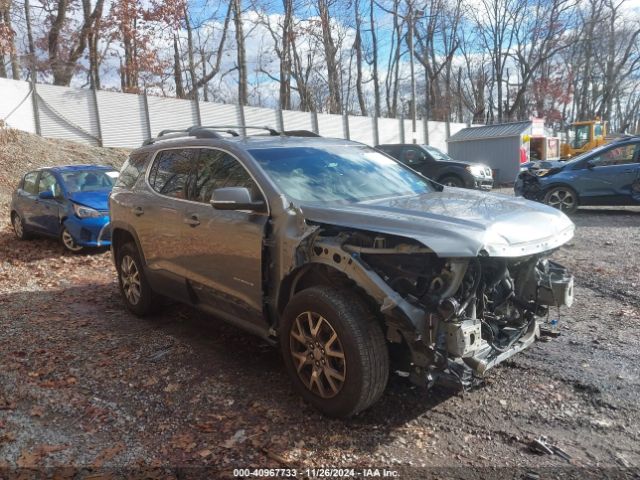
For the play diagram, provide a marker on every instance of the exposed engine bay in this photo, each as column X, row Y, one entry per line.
column 462, row 316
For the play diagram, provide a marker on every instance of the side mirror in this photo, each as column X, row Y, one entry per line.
column 46, row 195
column 235, row 198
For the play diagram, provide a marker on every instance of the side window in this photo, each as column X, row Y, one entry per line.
column 132, row 169
column 413, row 156
column 615, row 156
column 29, row 184
column 217, row 169
column 170, row 172
column 49, row 183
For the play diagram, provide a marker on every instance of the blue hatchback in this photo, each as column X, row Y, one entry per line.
column 608, row 175
column 69, row 203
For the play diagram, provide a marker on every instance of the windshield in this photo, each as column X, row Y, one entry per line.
column 89, row 180
column 580, row 135
column 346, row 173
column 438, row 154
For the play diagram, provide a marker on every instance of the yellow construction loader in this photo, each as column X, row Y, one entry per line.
column 584, row 136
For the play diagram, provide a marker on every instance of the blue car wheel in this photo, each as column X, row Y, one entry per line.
column 18, row 226
column 563, row 198
column 69, row 243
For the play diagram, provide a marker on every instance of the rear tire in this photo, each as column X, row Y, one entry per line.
column 18, row 227
column 136, row 292
column 452, row 181
column 334, row 350
column 563, row 198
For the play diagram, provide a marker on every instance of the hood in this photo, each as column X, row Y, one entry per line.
column 456, row 222
column 457, row 163
column 98, row 200
column 544, row 165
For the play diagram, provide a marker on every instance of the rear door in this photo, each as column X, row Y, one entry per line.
column 608, row 177
column 158, row 211
column 223, row 248
column 26, row 199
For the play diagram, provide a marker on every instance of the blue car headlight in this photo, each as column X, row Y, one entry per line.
column 86, row 212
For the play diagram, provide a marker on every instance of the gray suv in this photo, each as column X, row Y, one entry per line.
column 355, row 264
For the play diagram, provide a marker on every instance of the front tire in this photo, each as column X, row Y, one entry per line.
column 452, row 181
column 136, row 292
column 334, row 350
column 69, row 242
column 563, row 198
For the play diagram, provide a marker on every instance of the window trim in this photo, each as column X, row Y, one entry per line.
column 635, row 159
column 35, row 184
column 202, row 147
column 57, row 181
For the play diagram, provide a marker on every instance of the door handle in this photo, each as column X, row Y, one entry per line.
column 192, row 220
column 137, row 211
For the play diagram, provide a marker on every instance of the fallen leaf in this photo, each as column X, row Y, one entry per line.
column 237, row 437
column 107, row 454
column 37, row 411
column 204, row 453
column 28, row 459
column 172, row 387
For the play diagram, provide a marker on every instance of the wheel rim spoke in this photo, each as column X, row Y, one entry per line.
column 130, row 277
column 317, row 354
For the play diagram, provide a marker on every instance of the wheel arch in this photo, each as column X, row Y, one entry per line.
column 551, row 186
column 122, row 234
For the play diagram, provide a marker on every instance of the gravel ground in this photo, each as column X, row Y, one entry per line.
column 86, row 386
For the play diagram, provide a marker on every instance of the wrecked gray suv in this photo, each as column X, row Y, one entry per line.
column 354, row 263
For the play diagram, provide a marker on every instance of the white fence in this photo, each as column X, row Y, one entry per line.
column 113, row 119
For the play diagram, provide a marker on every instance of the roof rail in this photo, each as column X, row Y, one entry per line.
column 169, row 134
column 227, row 128
column 214, row 131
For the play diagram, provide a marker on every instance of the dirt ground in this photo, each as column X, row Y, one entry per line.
column 87, row 387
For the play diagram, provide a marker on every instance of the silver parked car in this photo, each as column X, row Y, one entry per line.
column 354, row 263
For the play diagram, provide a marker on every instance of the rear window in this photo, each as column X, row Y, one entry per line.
column 170, row 172
column 132, row 169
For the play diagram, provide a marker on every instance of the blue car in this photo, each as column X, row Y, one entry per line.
column 69, row 203
column 608, row 175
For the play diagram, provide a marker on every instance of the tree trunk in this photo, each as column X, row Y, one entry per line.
column 285, row 56
column 357, row 45
column 243, row 96
column 13, row 54
column 192, row 64
column 374, row 53
column 330, row 51
column 177, row 68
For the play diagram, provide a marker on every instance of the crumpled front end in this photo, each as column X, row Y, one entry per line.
column 451, row 319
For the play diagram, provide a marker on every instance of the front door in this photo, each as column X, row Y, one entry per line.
column 416, row 158
column 46, row 212
column 222, row 253
column 607, row 178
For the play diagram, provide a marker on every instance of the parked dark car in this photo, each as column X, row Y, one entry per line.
column 439, row 166
column 608, row 175
column 69, row 203
column 354, row 263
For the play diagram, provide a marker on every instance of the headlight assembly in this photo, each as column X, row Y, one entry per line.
column 476, row 170
column 86, row 212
